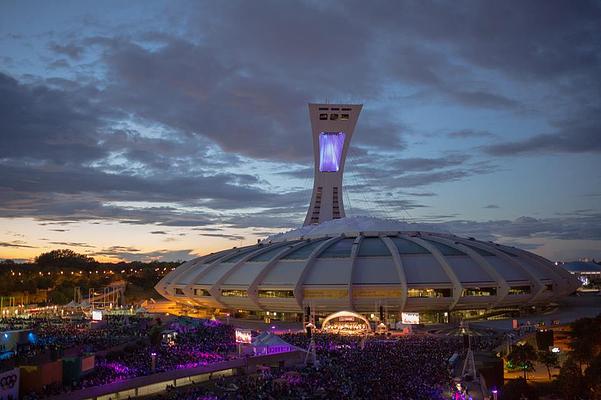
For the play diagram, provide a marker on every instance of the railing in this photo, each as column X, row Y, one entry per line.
column 156, row 383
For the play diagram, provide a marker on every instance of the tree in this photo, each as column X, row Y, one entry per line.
column 155, row 335
column 517, row 389
column 570, row 381
column 63, row 258
column 592, row 377
column 549, row 359
column 522, row 356
column 586, row 339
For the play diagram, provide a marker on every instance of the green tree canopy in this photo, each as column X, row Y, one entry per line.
column 586, row 338
column 64, row 258
column 522, row 356
column 517, row 389
column 571, row 381
column 592, row 377
column 549, row 360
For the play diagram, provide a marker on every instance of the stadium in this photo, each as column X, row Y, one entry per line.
column 372, row 268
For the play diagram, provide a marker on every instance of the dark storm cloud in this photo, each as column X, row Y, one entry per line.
column 567, row 228
column 63, row 208
column 303, row 173
column 134, row 188
column 395, row 205
column 238, row 77
column 417, row 172
column 469, row 133
column 133, row 254
column 223, row 236
column 58, row 64
column 534, row 40
column 428, row 164
column 72, row 244
column 39, row 123
column 70, row 49
column 577, row 135
column 428, row 178
column 17, row 244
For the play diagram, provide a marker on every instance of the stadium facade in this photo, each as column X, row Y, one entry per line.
column 366, row 265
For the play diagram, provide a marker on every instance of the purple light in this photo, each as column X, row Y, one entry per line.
column 330, row 151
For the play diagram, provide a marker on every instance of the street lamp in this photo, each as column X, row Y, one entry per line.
column 153, row 361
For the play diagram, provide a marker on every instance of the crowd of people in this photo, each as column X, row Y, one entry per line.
column 203, row 345
column 124, row 346
column 349, row 367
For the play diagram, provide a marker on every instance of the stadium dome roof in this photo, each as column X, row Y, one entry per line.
column 349, row 263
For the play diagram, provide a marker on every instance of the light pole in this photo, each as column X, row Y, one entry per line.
column 153, row 361
column 311, row 350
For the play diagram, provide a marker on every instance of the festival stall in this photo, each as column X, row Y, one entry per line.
column 268, row 343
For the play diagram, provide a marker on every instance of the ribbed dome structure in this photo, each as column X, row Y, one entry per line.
column 361, row 264
column 332, row 269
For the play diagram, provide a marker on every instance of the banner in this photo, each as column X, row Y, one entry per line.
column 9, row 384
column 410, row 318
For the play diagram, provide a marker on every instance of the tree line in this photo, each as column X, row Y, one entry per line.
column 59, row 271
column 580, row 374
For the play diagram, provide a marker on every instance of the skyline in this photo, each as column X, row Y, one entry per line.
column 141, row 130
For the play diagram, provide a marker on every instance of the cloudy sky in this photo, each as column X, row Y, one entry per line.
column 145, row 129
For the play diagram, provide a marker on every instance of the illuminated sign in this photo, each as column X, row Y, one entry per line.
column 330, row 151
column 87, row 363
column 96, row 315
column 410, row 318
column 243, row 336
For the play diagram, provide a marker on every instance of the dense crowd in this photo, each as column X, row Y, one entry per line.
column 349, row 367
column 124, row 346
column 411, row 367
column 199, row 346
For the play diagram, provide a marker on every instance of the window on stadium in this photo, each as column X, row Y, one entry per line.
column 233, row 293
column 419, row 292
column 179, row 291
column 201, row 292
column 285, row 294
column 519, row 290
column 476, row 291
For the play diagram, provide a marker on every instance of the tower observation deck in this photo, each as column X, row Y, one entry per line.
column 332, row 127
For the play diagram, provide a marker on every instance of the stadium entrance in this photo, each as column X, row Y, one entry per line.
column 346, row 323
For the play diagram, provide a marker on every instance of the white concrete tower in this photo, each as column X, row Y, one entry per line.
column 333, row 126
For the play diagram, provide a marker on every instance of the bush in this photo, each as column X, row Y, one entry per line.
column 517, row 389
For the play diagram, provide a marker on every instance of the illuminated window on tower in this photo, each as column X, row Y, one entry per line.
column 330, row 151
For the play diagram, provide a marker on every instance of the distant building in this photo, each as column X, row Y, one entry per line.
column 587, row 272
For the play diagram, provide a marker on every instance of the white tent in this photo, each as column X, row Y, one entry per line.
column 268, row 343
column 72, row 304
